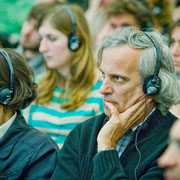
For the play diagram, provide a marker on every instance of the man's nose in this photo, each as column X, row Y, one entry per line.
column 106, row 87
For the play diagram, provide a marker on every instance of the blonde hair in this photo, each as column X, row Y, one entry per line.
column 82, row 63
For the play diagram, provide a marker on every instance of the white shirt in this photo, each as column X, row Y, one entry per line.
column 5, row 126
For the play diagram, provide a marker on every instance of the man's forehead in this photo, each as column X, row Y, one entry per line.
column 122, row 58
column 33, row 22
column 121, row 49
column 123, row 20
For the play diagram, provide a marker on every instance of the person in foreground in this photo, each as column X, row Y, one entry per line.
column 170, row 159
column 25, row 153
column 138, row 89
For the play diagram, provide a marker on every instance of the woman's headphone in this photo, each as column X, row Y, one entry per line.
column 6, row 93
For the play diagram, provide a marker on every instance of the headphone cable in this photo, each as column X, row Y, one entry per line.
column 136, row 137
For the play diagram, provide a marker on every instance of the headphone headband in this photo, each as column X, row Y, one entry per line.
column 11, row 71
column 69, row 12
column 152, row 84
column 158, row 52
column 74, row 41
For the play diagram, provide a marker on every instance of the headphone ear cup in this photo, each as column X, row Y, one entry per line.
column 74, row 42
column 151, row 86
column 5, row 96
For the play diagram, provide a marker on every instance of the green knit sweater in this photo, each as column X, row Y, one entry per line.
column 78, row 159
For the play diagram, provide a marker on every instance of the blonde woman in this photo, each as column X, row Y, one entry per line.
column 68, row 93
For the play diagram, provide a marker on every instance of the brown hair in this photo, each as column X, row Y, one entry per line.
column 174, row 25
column 163, row 17
column 24, row 86
column 38, row 11
column 135, row 8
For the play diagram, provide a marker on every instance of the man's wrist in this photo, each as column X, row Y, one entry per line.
column 105, row 149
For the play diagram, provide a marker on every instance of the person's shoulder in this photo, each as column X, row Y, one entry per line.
column 90, row 125
column 33, row 138
column 97, row 85
column 40, row 77
column 162, row 121
column 95, row 120
column 85, row 133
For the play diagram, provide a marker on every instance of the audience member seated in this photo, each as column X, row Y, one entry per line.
column 96, row 16
column 30, row 39
column 68, row 92
column 138, row 89
column 162, row 15
column 176, row 11
column 12, row 15
column 175, row 50
column 170, row 159
column 124, row 13
column 25, row 153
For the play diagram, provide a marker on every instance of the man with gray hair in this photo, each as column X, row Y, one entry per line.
column 138, row 89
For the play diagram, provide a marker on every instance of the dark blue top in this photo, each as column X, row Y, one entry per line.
column 26, row 153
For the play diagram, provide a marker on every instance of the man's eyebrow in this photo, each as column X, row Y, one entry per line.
column 115, row 75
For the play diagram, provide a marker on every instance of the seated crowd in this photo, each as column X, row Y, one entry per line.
column 92, row 94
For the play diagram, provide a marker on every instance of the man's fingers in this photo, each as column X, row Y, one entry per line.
column 112, row 108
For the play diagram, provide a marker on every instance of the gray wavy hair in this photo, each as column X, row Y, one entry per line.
column 169, row 93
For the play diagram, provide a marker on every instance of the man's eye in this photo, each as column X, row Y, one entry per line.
column 113, row 26
column 118, row 78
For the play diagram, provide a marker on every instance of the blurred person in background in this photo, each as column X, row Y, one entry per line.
column 162, row 15
column 12, row 15
column 175, row 51
column 124, row 13
column 50, row 1
column 30, row 38
column 176, row 11
column 68, row 93
column 96, row 16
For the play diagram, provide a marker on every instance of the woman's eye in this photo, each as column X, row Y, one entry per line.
column 52, row 38
column 172, row 42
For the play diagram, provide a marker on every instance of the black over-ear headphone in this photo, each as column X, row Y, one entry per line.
column 74, row 41
column 152, row 84
column 6, row 93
